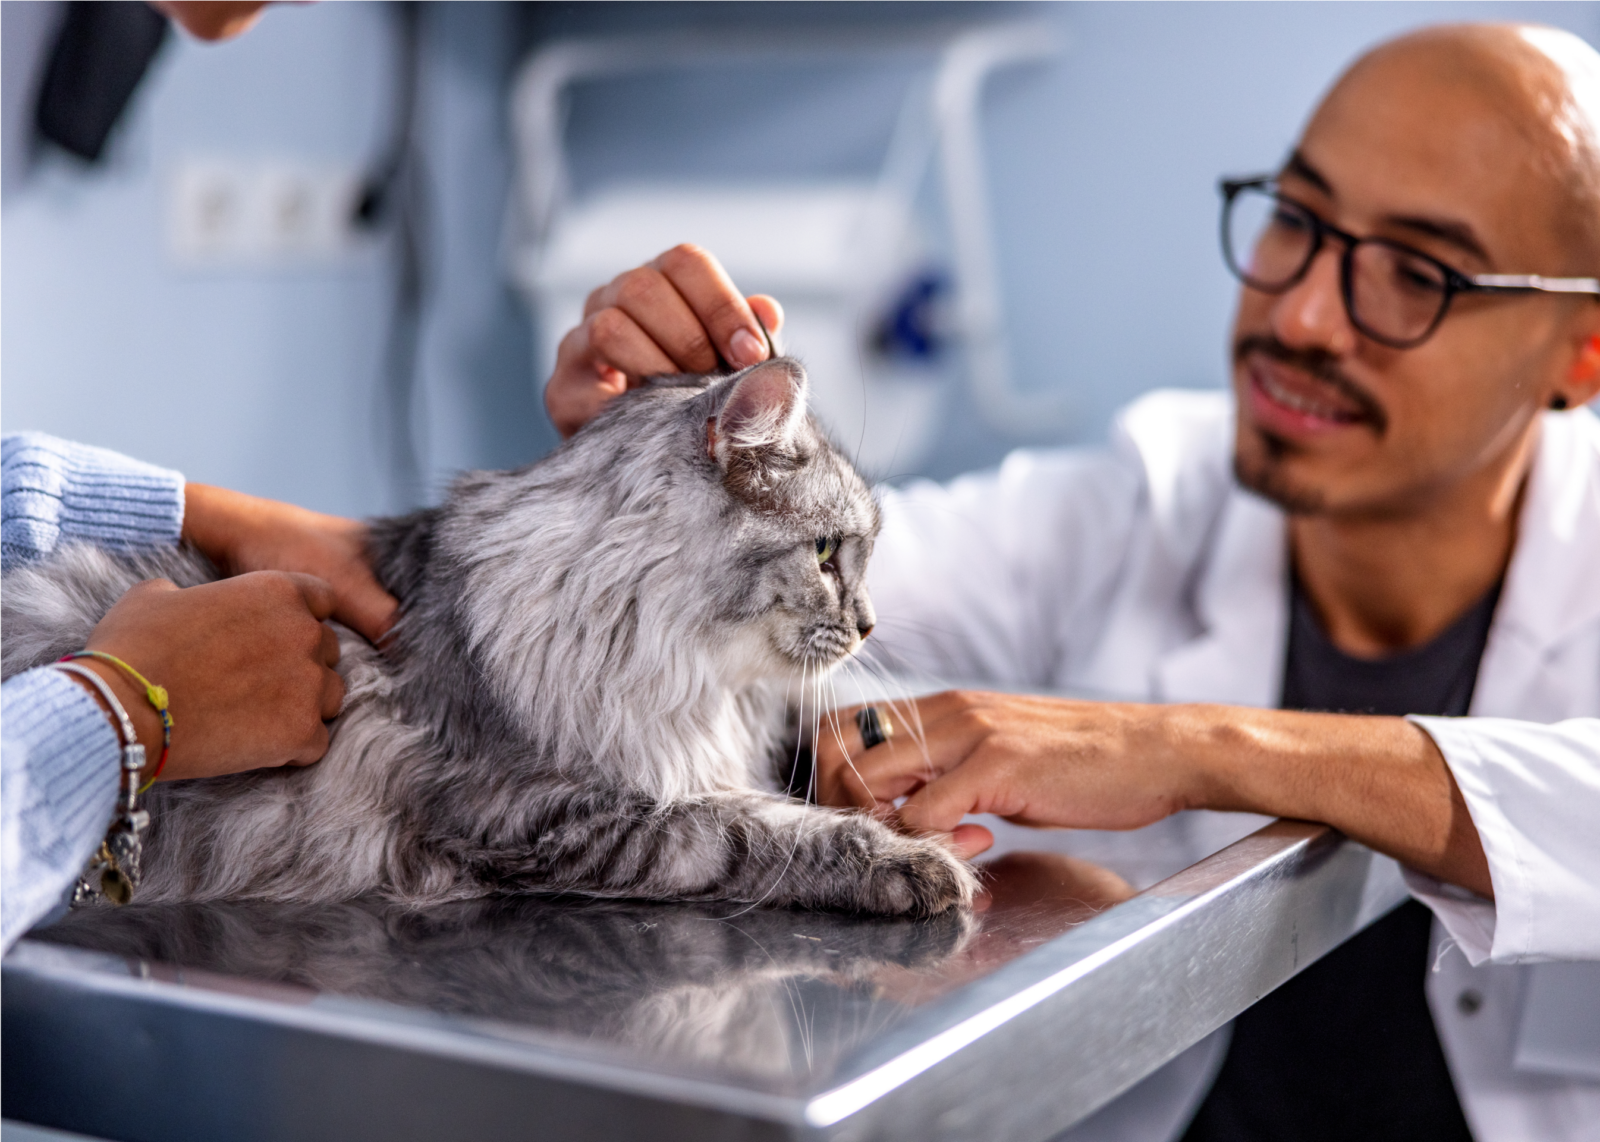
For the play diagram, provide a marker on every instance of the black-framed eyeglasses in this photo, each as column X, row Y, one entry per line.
column 1393, row 294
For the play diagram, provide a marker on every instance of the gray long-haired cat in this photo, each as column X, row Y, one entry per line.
column 587, row 685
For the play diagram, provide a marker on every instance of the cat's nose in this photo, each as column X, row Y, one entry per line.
column 865, row 617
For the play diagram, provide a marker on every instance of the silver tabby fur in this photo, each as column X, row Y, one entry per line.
column 587, row 687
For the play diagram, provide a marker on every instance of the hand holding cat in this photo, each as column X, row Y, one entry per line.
column 241, row 533
column 248, row 663
column 681, row 313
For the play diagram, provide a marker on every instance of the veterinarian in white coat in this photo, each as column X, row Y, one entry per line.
column 1394, row 358
column 1145, row 573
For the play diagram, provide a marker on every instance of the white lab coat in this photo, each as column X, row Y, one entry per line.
column 1144, row 572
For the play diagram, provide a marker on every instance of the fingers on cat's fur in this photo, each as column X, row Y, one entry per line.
column 48, row 608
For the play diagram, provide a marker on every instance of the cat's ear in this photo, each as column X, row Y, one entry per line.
column 763, row 409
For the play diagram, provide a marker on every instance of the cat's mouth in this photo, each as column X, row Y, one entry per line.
column 829, row 645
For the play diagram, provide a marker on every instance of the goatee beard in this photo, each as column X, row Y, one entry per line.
column 1268, row 481
column 1265, row 474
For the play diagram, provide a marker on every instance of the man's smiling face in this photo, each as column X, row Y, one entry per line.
column 1452, row 142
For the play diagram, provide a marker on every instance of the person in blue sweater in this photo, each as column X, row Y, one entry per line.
column 248, row 661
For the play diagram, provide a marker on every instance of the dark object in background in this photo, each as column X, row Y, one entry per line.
column 101, row 54
column 916, row 329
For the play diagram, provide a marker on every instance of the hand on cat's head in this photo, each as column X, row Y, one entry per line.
column 681, row 313
column 242, row 533
column 247, row 663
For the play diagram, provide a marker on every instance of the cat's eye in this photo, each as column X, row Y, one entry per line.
column 826, row 546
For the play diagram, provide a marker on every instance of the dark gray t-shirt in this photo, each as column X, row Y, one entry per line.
column 1436, row 678
column 1347, row 1049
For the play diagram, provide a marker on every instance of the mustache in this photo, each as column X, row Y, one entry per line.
column 1318, row 364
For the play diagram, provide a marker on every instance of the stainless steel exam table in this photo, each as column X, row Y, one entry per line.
column 560, row 1018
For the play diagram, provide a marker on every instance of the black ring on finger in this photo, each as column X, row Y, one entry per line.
column 874, row 726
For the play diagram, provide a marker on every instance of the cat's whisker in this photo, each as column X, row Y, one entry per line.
column 817, row 713
column 799, row 828
column 904, row 709
column 838, row 736
column 897, row 694
column 800, row 737
column 813, row 786
column 802, row 1017
column 796, row 1006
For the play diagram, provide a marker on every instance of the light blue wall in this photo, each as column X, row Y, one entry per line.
column 260, row 381
column 270, row 381
column 1102, row 165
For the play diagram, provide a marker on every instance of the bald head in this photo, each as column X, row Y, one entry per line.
column 1536, row 89
column 1477, row 147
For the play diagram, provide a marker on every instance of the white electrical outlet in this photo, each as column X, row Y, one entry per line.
column 266, row 213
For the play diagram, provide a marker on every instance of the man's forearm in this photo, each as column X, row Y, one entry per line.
column 1381, row 781
column 1120, row 765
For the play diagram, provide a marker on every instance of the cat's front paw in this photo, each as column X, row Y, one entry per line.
column 916, row 876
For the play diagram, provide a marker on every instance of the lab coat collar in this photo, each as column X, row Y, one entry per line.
column 1242, row 603
column 1182, row 442
column 1551, row 592
column 1227, row 545
column 1552, row 587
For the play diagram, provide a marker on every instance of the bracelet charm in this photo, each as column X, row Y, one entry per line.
column 123, row 849
column 113, row 872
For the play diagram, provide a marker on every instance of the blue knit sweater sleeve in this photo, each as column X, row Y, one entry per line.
column 58, row 789
column 51, row 490
column 58, row 753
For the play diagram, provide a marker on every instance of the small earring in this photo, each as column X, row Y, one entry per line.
column 1558, row 402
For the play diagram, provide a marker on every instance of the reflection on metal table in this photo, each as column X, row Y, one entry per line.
column 561, row 1018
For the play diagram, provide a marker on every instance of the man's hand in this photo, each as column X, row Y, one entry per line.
column 1033, row 761
column 247, row 663
column 1103, row 765
column 241, row 533
column 680, row 313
